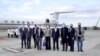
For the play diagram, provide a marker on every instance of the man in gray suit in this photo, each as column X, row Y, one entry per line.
column 80, row 37
column 47, row 34
column 29, row 33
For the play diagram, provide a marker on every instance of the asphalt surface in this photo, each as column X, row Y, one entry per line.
column 11, row 47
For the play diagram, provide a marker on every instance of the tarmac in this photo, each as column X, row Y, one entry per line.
column 12, row 47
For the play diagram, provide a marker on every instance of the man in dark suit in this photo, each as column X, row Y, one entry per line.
column 23, row 36
column 71, row 37
column 55, row 35
column 64, row 37
column 34, row 35
column 39, row 37
column 29, row 33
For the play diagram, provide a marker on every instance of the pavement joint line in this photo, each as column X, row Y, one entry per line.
column 12, row 50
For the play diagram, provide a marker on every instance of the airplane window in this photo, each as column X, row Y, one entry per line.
column 32, row 22
column 18, row 22
column 12, row 21
column 6, row 21
column 23, row 22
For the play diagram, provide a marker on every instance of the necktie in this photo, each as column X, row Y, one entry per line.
column 55, row 29
column 79, row 31
column 28, row 29
column 39, row 32
column 23, row 28
column 34, row 30
column 63, row 30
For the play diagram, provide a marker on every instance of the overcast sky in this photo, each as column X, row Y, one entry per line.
column 86, row 11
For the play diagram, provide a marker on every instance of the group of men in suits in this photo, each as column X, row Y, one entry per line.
column 26, row 34
column 68, row 35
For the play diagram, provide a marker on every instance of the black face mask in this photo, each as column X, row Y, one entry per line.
column 79, row 26
column 71, row 26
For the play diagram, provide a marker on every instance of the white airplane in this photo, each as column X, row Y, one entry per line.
column 13, row 23
column 16, row 23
